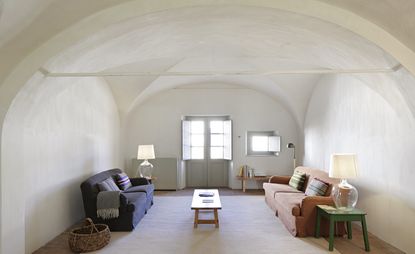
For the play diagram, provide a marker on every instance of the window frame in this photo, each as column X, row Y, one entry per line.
column 248, row 148
column 227, row 146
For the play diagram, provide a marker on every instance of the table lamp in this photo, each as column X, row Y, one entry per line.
column 145, row 152
column 343, row 166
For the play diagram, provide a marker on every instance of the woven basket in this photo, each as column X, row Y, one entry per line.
column 89, row 237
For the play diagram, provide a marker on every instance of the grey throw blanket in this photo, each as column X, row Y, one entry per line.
column 108, row 203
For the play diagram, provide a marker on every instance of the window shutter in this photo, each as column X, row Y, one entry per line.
column 186, row 140
column 274, row 144
column 227, row 149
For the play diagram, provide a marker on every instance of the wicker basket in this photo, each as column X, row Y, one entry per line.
column 89, row 237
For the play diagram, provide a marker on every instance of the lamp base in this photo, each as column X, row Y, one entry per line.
column 344, row 195
column 145, row 169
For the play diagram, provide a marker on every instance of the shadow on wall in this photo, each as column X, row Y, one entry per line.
column 398, row 89
column 57, row 133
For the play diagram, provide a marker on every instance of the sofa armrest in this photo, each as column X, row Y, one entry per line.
column 308, row 205
column 123, row 200
column 139, row 181
column 279, row 179
column 125, row 205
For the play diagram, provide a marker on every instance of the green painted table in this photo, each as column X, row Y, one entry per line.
column 333, row 215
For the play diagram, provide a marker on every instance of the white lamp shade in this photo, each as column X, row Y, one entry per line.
column 145, row 152
column 343, row 166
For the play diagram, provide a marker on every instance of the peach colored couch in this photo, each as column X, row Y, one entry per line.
column 296, row 210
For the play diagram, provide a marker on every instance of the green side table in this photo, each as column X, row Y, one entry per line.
column 333, row 215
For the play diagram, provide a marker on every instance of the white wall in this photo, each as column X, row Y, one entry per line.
column 368, row 115
column 57, row 133
column 158, row 121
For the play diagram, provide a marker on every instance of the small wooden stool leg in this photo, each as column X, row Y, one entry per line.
column 196, row 218
column 331, row 234
column 215, row 211
column 349, row 229
column 365, row 236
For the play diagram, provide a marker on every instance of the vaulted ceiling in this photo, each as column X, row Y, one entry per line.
column 278, row 52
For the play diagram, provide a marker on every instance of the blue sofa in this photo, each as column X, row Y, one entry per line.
column 134, row 201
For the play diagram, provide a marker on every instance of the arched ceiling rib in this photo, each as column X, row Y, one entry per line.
column 396, row 16
column 119, row 14
column 219, row 39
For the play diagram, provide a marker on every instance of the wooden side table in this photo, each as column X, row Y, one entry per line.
column 151, row 179
column 333, row 215
column 244, row 179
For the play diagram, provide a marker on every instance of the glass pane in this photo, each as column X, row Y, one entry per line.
column 216, row 152
column 274, row 144
column 198, row 140
column 216, row 140
column 260, row 143
column 197, row 127
column 216, row 126
column 198, row 153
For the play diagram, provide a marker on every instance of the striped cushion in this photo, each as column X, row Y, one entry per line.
column 297, row 180
column 316, row 188
column 108, row 185
column 123, row 181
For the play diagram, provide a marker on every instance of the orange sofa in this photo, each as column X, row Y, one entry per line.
column 296, row 210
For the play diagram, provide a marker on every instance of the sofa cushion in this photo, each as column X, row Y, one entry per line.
column 123, row 181
column 316, row 187
column 108, row 185
column 148, row 188
column 276, row 187
column 316, row 173
column 297, row 180
column 137, row 199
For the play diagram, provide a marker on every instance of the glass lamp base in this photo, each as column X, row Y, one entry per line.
column 344, row 195
column 145, row 169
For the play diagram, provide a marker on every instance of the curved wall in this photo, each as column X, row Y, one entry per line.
column 57, row 133
column 367, row 115
column 158, row 121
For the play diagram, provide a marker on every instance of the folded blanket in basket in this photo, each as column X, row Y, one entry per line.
column 108, row 203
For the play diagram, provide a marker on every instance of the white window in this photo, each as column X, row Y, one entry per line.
column 220, row 139
column 262, row 143
column 216, row 143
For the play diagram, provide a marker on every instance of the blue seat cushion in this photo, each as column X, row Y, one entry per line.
column 148, row 188
column 137, row 199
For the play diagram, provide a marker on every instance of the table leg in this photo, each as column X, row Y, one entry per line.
column 331, row 237
column 318, row 224
column 196, row 218
column 365, row 236
column 243, row 185
column 349, row 229
column 216, row 217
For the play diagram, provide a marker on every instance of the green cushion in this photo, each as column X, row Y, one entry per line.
column 297, row 180
column 316, row 188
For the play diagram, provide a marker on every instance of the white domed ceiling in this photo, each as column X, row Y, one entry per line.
column 280, row 53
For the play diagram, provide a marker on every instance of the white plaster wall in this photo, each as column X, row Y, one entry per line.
column 158, row 121
column 57, row 133
column 367, row 115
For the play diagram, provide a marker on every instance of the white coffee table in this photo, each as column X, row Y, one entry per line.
column 206, row 203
